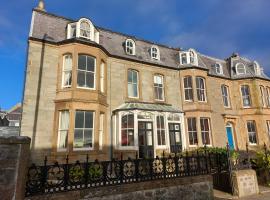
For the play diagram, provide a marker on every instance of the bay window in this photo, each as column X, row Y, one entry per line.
column 127, row 130
column 63, row 128
column 84, row 129
column 201, row 92
column 102, row 68
column 192, row 131
column 67, row 71
column 205, row 131
column 262, row 90
column 86, row 72
column 161, row 130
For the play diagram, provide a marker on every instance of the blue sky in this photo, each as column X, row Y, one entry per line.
column 213, row 27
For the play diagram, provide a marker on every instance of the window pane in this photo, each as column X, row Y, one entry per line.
column 124, row 138
column 64, row 120
column 129, row 76
column 135, row 90
column 88, row 138
column 67, row 78
column 130, row 137
column 90, row 64
column 90, row 80
column 62, row 144
column 82, row 62
column 78, row 138
column 81, row 79
column 88, row 119
column 149, row 138
column 79, row 119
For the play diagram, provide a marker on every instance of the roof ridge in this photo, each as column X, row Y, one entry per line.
column 211, row 57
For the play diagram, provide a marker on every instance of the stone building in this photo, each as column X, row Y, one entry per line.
column 89, row 90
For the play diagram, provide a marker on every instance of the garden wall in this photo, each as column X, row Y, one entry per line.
column 188, row 188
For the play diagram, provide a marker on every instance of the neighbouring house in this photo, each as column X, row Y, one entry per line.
column 90, row 90
column 10, row 121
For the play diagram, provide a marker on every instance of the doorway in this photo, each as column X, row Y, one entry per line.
column 229, row 132
column 175, row 137
column 146, row 146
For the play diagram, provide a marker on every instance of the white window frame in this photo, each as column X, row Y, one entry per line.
column 159, row 87
column 94, row 86
column 263, row 97
column 224, row 96
column 268, row 127
column 93, row 131
column 91, row 29
column 191, row 57
column 188, row 88
column 201, row 90
column 257, row 68
column 155, row 53
column 244, row 96
column 267, row 92
column 219, row 66
column 69, row 27
column 61, row 112
column 193, row 132
column 132, row 83
column 161, row 129
column 135, row 132
column 237, row 68
column 102, row 77
column 252, row 132
column 101, row 130
column 129, row 48
column 65, row 70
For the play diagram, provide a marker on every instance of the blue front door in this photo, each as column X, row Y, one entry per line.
column 230, row 137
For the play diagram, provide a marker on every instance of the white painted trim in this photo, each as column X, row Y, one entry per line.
column 32, row 24
column 236, row 68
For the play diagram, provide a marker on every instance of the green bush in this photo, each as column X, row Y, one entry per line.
column 262, row 160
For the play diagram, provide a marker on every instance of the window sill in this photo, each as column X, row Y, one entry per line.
column 86, row 88
column 83, row 149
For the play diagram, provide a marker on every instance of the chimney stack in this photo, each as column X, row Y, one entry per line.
column 41, row 5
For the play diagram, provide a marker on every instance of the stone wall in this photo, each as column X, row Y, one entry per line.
column 188, row 188
column 244, row 183
column 14, row 154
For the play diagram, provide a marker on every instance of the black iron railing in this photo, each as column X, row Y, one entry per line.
column 65, row 177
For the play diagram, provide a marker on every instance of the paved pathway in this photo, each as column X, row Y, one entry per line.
column 264, row 195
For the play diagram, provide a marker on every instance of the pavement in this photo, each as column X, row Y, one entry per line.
column 263, row 195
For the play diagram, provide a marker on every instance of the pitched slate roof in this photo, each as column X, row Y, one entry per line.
column 54, row 27
column 148, row 107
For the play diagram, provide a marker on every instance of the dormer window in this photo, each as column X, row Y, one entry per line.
column 130, row 47
column 155, row 53
column 189, row 57
column 184, row 58
column 83, row 29
column 257, row 68
column 240, row 68
column 192, row 57
column 219, row 69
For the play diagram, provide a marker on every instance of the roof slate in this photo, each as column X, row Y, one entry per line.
column 148, row 107
column 52, row 28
